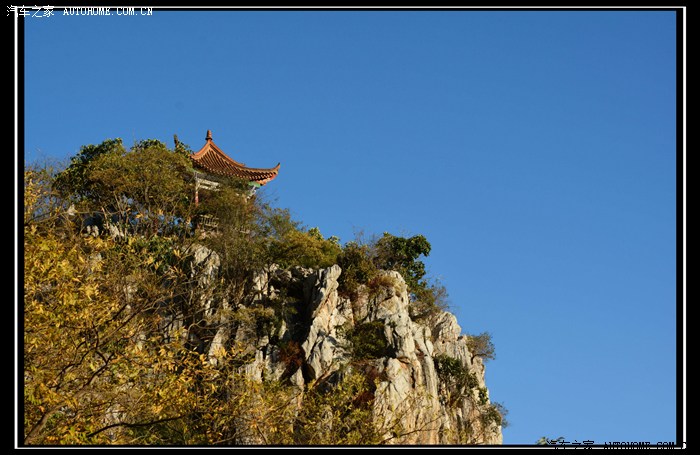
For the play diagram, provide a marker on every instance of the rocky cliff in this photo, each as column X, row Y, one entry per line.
column 426, row 386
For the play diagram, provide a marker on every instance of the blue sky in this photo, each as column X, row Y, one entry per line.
column 536, row 150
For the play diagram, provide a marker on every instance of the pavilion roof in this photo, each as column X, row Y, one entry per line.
column 213, row 160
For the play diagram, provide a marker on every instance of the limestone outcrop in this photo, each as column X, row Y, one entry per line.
column 413, row 389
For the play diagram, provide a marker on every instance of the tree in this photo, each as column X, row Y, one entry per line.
column 401, row 254
column 107, row 358
column 146, row 190
column 481, row 346
column 358, row 268
column 102, row 364
column 290, row 244
column 182, row 148
column 338, row 413
column 239, row 238
column 93, row 357
column 458, row 380
column 72, row 183
column 43, row 205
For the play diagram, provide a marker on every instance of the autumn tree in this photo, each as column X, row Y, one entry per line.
column 73, row 182
column 106, row 352
column 95, row 360
column 290, row 244
column 481, row 346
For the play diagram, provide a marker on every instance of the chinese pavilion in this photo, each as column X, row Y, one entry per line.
column 211, row 162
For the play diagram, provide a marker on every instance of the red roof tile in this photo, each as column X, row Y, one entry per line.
column 212, row 159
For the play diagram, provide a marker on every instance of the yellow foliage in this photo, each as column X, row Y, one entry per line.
column 100, row 365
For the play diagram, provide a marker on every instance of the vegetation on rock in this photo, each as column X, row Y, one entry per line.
column 119, row 320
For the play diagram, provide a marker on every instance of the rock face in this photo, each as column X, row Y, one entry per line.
column 322, row 348
column 411, row 390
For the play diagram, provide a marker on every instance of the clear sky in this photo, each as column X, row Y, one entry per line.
column 536, row 151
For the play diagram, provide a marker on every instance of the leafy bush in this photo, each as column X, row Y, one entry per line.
column 378, row 283
column 483, row 396
column 503, row 411
column 362, row 260
column 44, row 206
column 427, row 300
column 291, row 245
column 401, row 254
column 458, row 380
column 447, row 367
column 494, row 413
column 356, row 262
column 453, row 373
column 159, row 253
column 336, row 415
column 481, row 346
column 73, row 182
column 368, row 341
column 147, row 190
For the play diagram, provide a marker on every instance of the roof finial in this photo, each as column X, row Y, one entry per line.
column 209, row 135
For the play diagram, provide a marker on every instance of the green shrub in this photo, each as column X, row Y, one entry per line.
column 456, row 377
column 291, row 245
column 378, row 283
column 73, row 182
column 494, row 413
column 447, row 367
column 335, row 414
column 483, row 396
column 356, row 262
column 368, row 341
column 401, row 254
column 451, row 370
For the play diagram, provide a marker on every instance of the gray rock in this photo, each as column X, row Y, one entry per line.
column 409, row 395
column 410, row 392
column 324, row 353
